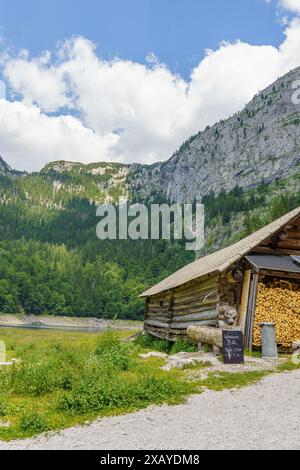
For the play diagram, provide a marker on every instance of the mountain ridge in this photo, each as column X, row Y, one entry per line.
column 51, row 259
column 6, row 170
column 259, row 144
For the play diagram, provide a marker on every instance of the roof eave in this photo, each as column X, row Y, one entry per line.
column 225, row 266
column 162, row 291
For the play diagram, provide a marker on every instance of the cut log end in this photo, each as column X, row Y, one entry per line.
column 206, row 335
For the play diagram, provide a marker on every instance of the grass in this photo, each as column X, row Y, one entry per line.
column 288, row 366
column 252, row 353
column 219, row 381
column 149, row 342
column 227, row 380
column 68, row 378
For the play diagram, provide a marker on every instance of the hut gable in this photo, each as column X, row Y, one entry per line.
column 221, row 260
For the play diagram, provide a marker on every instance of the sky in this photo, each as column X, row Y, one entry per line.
column 130, row 80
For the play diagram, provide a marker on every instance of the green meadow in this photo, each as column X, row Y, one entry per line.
column 66, row 378
column 62, row 379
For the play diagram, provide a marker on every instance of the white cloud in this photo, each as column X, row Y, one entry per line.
column 37, row 81
column 31, row 139
column 122, row 110
column 291, row 5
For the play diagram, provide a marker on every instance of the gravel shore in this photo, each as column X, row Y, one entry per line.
column 48, row 321
column 262, row 416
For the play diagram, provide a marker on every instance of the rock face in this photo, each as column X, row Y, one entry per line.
column 99, row 182
column 262, row 142
column 6, row 170
column 93, row 169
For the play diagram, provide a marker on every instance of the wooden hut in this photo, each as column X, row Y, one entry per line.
column 220, row 290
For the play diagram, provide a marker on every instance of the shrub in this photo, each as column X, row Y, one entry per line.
column 3, row 408
column 132, row 393
column 33, row 423
column 162, row 345
column 89, row 395
column 144, row 340
column 41, row 378
column 112, row 352
column 150, row 342
column 183, row 346
column 4, row 379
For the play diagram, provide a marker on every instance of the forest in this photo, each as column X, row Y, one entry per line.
column 51, row 261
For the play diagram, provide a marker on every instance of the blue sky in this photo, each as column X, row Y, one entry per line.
column 80, row 86
column 177, row 31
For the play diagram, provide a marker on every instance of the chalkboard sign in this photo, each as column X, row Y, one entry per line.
column 233, row 347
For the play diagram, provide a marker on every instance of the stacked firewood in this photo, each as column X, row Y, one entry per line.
column 278, row 301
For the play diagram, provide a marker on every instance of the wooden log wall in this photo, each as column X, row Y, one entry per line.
column 169, row 315
column 285, row 242
column 230, row 294
column 158, row 315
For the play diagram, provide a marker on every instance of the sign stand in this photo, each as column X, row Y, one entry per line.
column 233, row 347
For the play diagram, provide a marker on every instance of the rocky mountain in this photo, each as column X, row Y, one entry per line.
column 260, row 143
column 6, row 170
column 98, row 182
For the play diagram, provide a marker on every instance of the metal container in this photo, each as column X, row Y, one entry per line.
column 268, row 338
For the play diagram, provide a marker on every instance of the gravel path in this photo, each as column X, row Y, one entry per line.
column 262, row 416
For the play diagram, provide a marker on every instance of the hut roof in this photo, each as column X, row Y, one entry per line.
column 222, row 259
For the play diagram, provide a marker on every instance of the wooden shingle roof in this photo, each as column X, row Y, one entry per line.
column 222, row 259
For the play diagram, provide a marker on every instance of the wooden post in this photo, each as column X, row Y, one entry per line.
column 251, row 311
column 244, row 300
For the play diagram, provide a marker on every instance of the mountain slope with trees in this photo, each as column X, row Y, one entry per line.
column 51, row 259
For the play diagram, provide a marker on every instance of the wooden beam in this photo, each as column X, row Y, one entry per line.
column 289, row 245
column 251, row 311
column 184, row 326
column 199, row 286
column 278, row 251
column 202, row 299
column 244, row 300
column 160, row 324
column 207, row 315
column 199, row 307
column 266, row 272
column 195, row 282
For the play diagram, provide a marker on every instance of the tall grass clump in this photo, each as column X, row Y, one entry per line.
column 3, row 408
column 183, row 345
column 150, row 342
column 112, row 351
column 33, row 423
column 41, row 378
column 122, row 393
column 40, row 374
